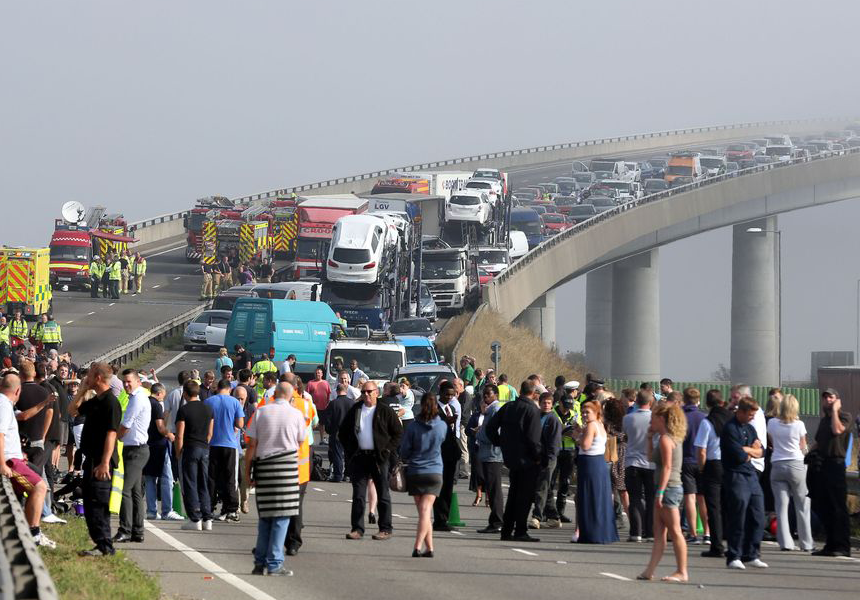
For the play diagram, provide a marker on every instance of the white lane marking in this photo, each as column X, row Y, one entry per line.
column 348, row 500
column 91, row 313
column 333, row 494
column 458, row 533
column 156, row 286
column 170, row 362
column 398, row 516
column 318, row 489
column 209, row 565
column 618, row 577
column 112, row 303
column 177, row 278
column 506, row 485
column 69, row 322
column 164, row 251
column 526, row 552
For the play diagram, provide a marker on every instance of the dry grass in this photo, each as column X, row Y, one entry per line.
column 523, row 353
column 451, row 333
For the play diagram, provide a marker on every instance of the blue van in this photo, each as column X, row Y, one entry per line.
column 419, row 350
column 283, row 327
column 529, row 222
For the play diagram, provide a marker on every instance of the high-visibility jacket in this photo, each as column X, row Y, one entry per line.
column 115, row 271
column 38, row 331
column 51, row 333
column 97, row 269
column 263, row 366
column 19, row 328
column 572, row 417
column 4, row 334
column 506, row 393
column 310, row 413
column 139, row 267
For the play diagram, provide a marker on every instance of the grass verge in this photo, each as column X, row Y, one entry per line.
column 115, row 577
column 451, row 333
column 523, row 353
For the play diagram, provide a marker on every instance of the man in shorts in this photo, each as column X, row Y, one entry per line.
column 12, row 464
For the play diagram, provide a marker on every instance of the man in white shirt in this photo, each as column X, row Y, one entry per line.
column 288, row 365
column 759, row 423
column 356, row 373
column 12, row 462
column 173, row 401
column 709, row 458
column 270, row 384
column 134, row 434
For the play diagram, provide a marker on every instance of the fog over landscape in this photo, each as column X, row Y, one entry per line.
column 145, row 107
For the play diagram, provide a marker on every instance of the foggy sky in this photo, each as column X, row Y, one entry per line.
column 145, row 107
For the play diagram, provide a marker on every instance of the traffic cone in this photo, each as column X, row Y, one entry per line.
column 454, row 514
column 700, row 530
column 177, row 499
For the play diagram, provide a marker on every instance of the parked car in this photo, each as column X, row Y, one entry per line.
column 652, row 186
column 429, row 309
column 413, row 326
column 581, row 212
column 195, row 332
column 469, row 205
column 679, row 181
column 424, row 378
column 555, row 223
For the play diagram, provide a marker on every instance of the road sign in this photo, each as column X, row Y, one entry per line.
column 496, row 355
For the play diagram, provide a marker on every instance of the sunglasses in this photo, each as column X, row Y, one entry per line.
column 369, row 391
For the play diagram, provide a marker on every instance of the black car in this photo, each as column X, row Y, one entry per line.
column 413, row 326
column 649, row 171
column 679, row 181
column 581, row 212
column 652, row 186
column 658, row 167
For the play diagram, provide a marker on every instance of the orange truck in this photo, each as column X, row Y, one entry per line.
column 684, row 164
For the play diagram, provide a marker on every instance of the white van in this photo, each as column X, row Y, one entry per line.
column 519, row 245
column 360, row 248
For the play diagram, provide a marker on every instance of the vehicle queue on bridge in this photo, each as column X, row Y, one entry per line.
column 445, row 424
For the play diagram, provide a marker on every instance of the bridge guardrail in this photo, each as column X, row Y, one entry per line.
column 544, row 246
column 23, row 575
column 495, row 155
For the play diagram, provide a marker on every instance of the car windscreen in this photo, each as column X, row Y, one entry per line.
column 478, row 185
column 492, row 257
column 429, row 382
column 378, row 363
column 437, row 267
column 420, row 355
column 680, row 170
column 78, row 253
column 581, row 211
column 583, row 177
column 527, row 227
column 711, row 163
column 351, row 294
column 778, row 151
column 603, row 165
column 351, row 256
column 309, row 248
column 553, row 218
column 465, row 200
column 411, row 326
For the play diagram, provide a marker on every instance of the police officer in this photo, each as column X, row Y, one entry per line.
column 115, row 277
column 206, row 289
column 52, row 335
column 97, row 271
column 18, row 329
column 106, row 276
column 38, row 332
column 567, row 411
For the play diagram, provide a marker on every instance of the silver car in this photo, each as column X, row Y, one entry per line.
column 195, row 332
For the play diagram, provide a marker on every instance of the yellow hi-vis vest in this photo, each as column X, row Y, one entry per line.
column 115, row 271
column 309, row 411
column 4, row 334
column 51, row 333
column 97, row 269
column 18, row 329
column 139, row 267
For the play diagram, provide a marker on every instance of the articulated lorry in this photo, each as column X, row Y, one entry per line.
column 316, row 217
column 451, row 274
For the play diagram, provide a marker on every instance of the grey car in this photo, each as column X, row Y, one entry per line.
column 195, row 332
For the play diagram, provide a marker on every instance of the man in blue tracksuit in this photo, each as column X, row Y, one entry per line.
column 743, row 497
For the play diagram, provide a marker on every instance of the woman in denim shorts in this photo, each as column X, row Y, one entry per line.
column 670, row 424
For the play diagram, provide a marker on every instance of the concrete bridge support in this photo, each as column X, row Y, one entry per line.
column 755, row 312
column 598, row 320
column 636, row 317
column 540, row 318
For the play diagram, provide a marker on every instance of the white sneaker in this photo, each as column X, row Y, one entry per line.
column 756, row 563
column 52, row 518
column 173, row 516
column 736, row 564
column 207, row 525
column 44, row 541
column 534, row 523
column 192, row 526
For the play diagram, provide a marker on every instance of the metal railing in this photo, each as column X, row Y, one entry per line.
column 559, row 238
column 23, row 575
column 496, row 155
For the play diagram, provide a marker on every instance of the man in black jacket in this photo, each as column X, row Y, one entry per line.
column 550, row 446
column 370, row 433
column 517, row 429
column 334, row 416
column 449, row 412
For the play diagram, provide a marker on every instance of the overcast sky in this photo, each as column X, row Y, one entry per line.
column 143, row 107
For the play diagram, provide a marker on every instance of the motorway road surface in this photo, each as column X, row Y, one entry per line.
column 92, row 327
column 216, row 565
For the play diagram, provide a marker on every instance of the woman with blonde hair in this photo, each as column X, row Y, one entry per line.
column 788, row 474
column 668, row 421
column 223, row 360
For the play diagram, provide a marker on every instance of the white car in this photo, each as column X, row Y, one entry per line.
column 360, row 246
column 469, row 205
column 489, row 173
column 493, row 187
column 634, row 171
column 195, row 334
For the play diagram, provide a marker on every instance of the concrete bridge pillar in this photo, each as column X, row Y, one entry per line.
column 636, row 318
column 598, row 320
column 539, row 318
column 755, row 313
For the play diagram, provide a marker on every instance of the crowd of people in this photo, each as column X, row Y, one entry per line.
column 649, row 461
column 230, row 271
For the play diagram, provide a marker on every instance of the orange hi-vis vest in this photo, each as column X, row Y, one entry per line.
column 309, row 411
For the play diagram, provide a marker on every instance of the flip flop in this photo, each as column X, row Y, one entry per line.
column 673, row 580
column 641, row 577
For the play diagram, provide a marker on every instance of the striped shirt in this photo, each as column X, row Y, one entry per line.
column 278, row 427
